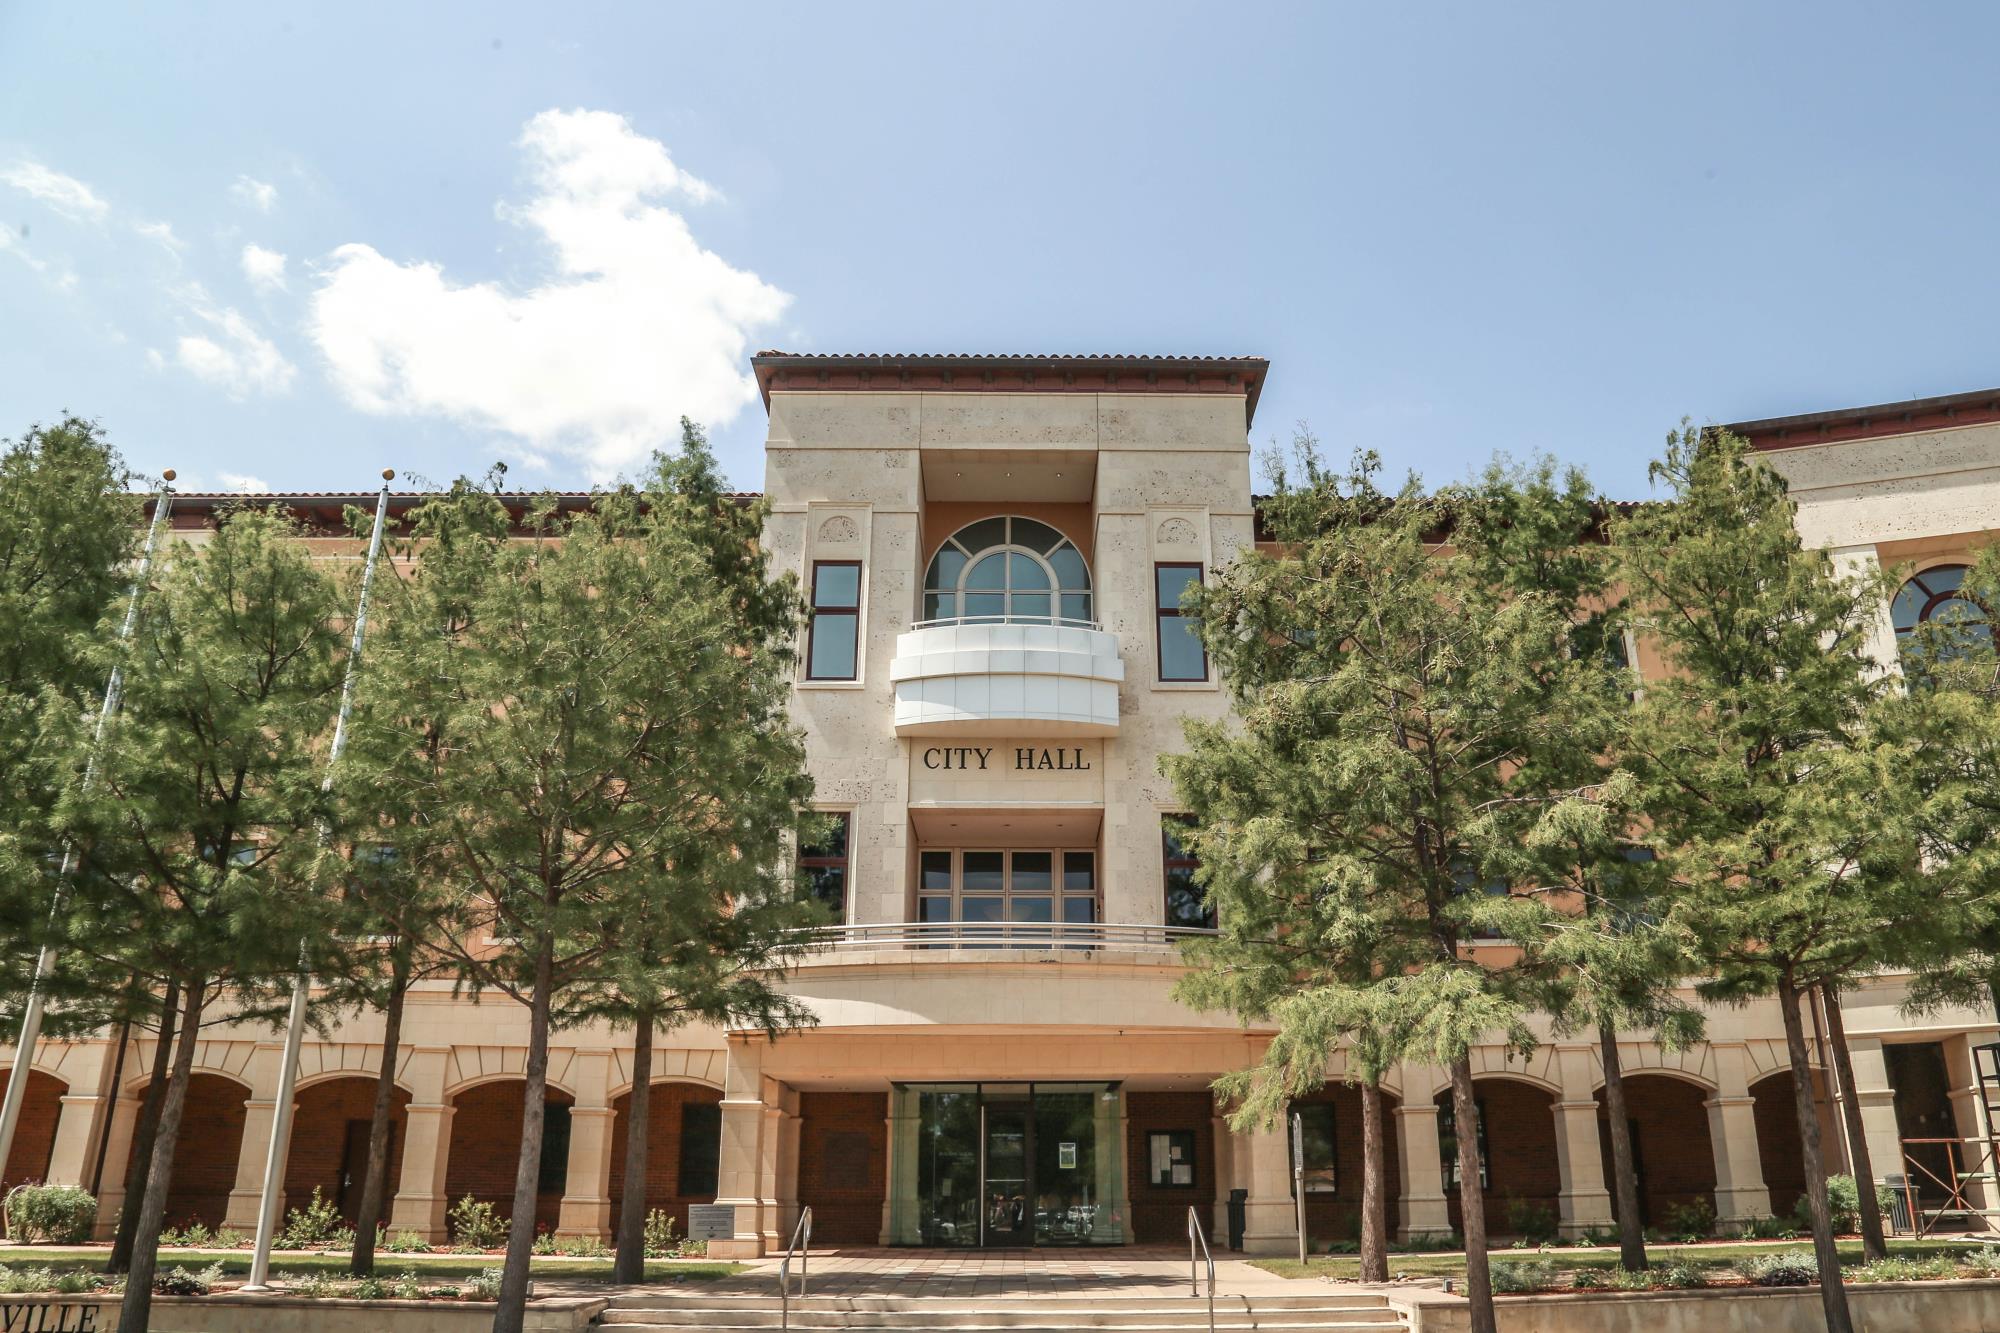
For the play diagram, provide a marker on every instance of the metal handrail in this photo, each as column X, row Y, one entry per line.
column 1060, row 622
column 1048, row 935
column 1196, row 1237
column 801, row 1243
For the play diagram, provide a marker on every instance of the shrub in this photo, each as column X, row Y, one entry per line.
column 1784, row 1268
column 1426, row 1244
column 407, row 1242
column 229, row 1238
column 370, row 1289
column 1523, row 1277
column 179, row 1281
column 1902, row 1270
column 1679, row 1274
column 546, row 1243
column 691, row 1249
column 485, row 1284
column 1531, row 1221
column 312, row 1286
column 1598, row 1236
column 312, row 1226
column 1620, row 1280
column 1589, row 1279
column 408, row 1287
column 476, row 1224
column 1982, row 1262
column 1771, row 1228
column 74, row 1280
column 194, row 1236
column 583, row 1247
column 1691, row 1221
column 14, row 1280
column 60, row 1213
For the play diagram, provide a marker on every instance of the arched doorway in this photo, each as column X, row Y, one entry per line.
column 330, row 1144
column 1672, row 1153
column 205, row 1152
column 1333, row 1207
column 1779, row 1147
column 1517, row 1147
column 683, row 1147
column 486, row 1148
column 35, row 1133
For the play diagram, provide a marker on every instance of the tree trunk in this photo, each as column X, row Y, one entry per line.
column 374, row 1185
column 630, row 1266
column 1873, row 1245
column 513, row 1306
column 139, row 1161
column 1624, row 1177
column 1471, row 1197
column 1374, row 1225
column 1833, row 1296
column 137, row 1308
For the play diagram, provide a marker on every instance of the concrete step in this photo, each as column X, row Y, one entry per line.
column 1002, row 1315
column 1164, row 1299
column 1382, row 1321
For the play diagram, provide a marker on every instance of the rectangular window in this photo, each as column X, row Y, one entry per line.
column 1316, row 1128
column 824, row 863
column 701, row 1149
column 1448, row 1142
column 1170, row 1159
column 1182, row 656
column 833, row 643
column 1185, row 902
column 553, row 1177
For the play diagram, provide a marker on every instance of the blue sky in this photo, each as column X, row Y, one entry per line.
column 285, row 246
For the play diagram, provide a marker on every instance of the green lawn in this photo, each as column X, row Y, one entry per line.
column 1711, row 1256
column 442, row 1267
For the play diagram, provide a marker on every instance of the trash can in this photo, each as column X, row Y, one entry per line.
column 1900, row 1220
column 1238, row 1200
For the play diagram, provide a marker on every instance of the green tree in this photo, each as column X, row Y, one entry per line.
column 203, row 823
column 1392, row 691
column 597, row 703
column 1786, row 816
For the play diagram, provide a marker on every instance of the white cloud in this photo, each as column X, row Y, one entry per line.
column 65, row 194
column 161, row 232
column 14, row 243
column 253, row 193
column 236, row 481
column 637, row 326
column 264, row 268
column 239, row 360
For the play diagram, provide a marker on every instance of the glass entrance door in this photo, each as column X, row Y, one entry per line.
column 1008, row 1215
column 1005, row 1164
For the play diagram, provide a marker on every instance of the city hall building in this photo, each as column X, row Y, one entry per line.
column 996, row 549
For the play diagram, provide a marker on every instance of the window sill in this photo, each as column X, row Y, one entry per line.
column 830, row 684
column 1178, row 686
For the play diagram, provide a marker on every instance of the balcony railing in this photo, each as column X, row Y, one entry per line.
column 1045, row 936
column 1060, row 622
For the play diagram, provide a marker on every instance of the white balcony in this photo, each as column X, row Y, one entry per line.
column 990, row 676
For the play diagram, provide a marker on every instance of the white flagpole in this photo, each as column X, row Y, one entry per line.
column 295, row 1024
column 114, row 689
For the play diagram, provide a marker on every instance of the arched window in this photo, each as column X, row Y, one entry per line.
column 1002, row 569
column 1934, row 597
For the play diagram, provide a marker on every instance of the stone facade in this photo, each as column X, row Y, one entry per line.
column 873, row 463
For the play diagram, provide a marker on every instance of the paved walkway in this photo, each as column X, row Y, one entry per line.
column 954, row 1273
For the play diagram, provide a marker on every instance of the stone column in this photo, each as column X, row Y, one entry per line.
column 259, row 1109
column 786, row 1125
column 1740, row 1193
column 740, row 1170
column 1584, row 1202
column 1270, row 1219
column 586, row 1201
column 1969, row 1118
column 1422, row 1211
column 78, row 1123
column 1225, row 1181
column 1862, row 562
column 901, row 1224
column 117, row 1158
column 421, row 1202
column 1877, row 1099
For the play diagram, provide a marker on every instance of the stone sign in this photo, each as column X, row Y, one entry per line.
column 712, row 1221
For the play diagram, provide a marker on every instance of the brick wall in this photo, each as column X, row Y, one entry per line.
column 486, row 1148
column 1521, row 1163
column 1676, row 1161
column 1159, row 1213
column 35, row 1134
column 320, row 1129
column 1337, row 1215
column 844, row 1164
column 663, row 1149
column 211, row 1139
column 1778, row 1143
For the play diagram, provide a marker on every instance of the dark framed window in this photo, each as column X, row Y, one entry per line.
column 1170, row 1159
column 1186, row 904
column 1181, row 654
column 701, row 1149
column 1448, row 1141
column 824, row 862
column 1316, row 1131
column 833, row 643
column 553, row 1177
column 1465, row 881
column 1952, row 623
